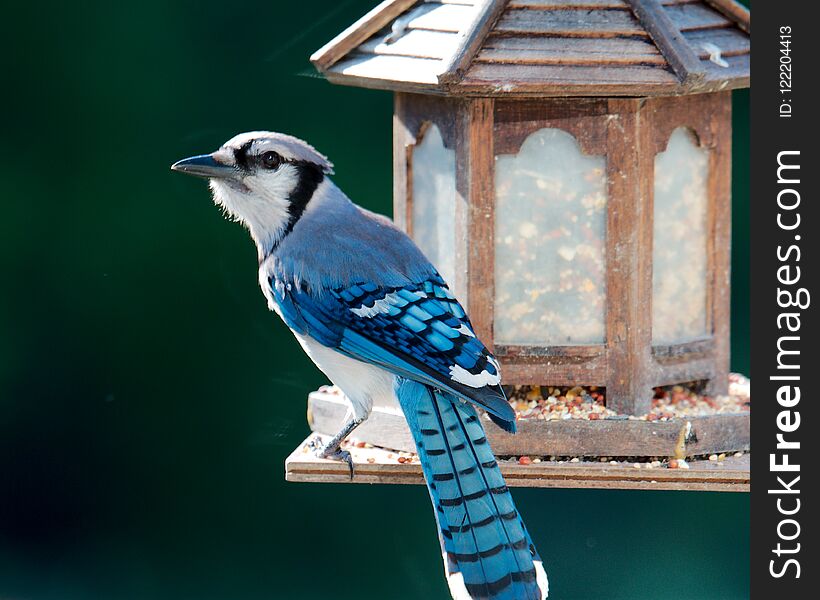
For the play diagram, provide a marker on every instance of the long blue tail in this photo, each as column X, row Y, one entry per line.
column 487, row 551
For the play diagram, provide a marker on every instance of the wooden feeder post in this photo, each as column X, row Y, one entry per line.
column 566, row 165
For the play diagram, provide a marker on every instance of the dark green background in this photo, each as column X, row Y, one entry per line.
column 147, row 397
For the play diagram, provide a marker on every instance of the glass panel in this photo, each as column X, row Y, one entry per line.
column 550, row 228
column 434, row 201
column 679, row 241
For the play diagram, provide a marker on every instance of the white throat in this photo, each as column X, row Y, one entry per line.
column 262, row 205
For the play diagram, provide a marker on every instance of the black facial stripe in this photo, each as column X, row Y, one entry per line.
column 309, row 176
column 242, row 157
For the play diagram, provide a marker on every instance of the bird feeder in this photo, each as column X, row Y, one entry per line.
column 566, row 165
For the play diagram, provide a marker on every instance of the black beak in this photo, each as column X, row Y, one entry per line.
column 204, row 165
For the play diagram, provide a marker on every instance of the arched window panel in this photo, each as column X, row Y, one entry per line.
column 680, row 238
column 550, row 235
column 434, row 201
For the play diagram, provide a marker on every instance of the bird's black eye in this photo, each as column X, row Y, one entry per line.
column 270, row 159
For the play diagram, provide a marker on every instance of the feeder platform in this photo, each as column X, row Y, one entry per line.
column 379, row 465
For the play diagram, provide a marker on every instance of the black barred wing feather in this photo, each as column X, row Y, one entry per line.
column 418, row 331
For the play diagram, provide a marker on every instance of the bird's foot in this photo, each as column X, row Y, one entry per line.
column 332, row 451
column 342, row 455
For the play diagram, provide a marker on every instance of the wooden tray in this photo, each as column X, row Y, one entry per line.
column 377, row 465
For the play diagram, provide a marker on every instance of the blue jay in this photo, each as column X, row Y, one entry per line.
column 376, row 317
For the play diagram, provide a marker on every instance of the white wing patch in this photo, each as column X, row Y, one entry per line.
column 464, row 330
column 379, row 307
column 463, row 376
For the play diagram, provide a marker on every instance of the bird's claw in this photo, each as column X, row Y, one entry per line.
column 331, row 453
column 344, row 455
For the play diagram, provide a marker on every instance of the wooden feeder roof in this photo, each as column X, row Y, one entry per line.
column 544, row 47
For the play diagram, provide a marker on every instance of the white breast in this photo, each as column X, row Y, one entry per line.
column 362, row 383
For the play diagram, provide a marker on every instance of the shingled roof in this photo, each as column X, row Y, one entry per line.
column 544, row 47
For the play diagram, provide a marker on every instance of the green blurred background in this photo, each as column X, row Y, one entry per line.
column 148, row 399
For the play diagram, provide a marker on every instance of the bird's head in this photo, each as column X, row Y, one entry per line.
column 262, row 179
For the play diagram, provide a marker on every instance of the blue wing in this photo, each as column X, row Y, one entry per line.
column 418, row 331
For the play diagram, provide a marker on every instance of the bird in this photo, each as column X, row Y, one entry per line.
column 376, row 317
